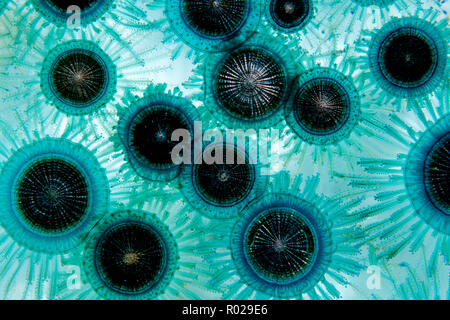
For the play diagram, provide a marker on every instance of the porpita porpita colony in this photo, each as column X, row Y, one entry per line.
column 96, row 208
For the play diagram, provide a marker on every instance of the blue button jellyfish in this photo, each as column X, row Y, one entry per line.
column 289, row 243
column 79, row 77
column 295, row 22
column 330, row 113
column 138, row 254
column 288, row 15
column 246, row 87
column 223, row 187
column 145, row 128
column 54, row 189
column 130, row 255
column 407, row 57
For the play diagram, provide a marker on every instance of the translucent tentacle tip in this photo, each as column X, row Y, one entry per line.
column 145, row 130
column 289, row 15
column 59, row 12
column 324, row 108
column 130, row 255
column 408, row 57
column 247, row 86
column 222, row 187
column 427, row 176
column 281, row 245
column 53, row 192
column 78, row 77
column 214, row 26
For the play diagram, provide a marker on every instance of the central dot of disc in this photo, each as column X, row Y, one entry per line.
column 250, row 83
column 151, row 132
column 280, row 245
column 217, row 18
column 408, row 57
column 130, row 257
column 437, row 174
column 224, row 184
column 52, row 195
column 78, row 77
column 223, row 176
column 321, row 106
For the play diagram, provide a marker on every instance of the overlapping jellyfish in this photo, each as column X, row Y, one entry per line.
column 94, row 206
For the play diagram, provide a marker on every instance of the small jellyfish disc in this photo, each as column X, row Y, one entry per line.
column 151, row 132
column 130, row 257
column 408, row 57
column 290, row 13
column 250, row 83
column 60, row 12
column 280, row 245
column 224, row 184
column 321, row 106
column 78, row 77
column 52, row 195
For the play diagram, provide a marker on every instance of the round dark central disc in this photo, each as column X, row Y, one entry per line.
column 52, row 195
column 321, row 106
column 215, row 18
column 151, row 134
column 408, row 57
column 437, row 174
column 224, row 184
column 79, row 76
column 130, row 257
column 280, row 245
column 289, row 13
column 250, row 83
